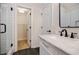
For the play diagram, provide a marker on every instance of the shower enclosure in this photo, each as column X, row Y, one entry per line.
column 5, row 27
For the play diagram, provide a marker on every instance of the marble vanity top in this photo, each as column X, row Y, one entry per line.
column 66, row 44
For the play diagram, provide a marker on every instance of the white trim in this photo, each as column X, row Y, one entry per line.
column 10, row 51
column 15, row 41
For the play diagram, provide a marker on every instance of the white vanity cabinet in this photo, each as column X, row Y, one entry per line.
column 52, row 44
column 48, row 49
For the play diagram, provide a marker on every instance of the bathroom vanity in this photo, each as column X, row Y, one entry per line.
column 51, row 44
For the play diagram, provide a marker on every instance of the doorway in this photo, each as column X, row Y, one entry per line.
column 23, row 28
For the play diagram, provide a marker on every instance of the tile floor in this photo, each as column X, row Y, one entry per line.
column 22, row 44
column 23, row 49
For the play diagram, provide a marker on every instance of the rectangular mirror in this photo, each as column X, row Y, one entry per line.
column 69, row 15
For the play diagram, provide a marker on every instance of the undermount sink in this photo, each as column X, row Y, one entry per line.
column 56, row 37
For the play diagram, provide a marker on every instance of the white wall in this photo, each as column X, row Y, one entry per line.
column 46, row 18
column 55, row 21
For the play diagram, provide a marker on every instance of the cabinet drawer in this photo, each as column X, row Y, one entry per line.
column 43, row 50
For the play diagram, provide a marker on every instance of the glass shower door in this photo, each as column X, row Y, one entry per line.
column 5, row 27
column 2, row 29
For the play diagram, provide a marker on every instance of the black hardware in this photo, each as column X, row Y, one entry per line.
column 41, row 27
column 4, row 28
column 11, row 9
column 30, row 13
column 49, row 31
column 68, row 26
column 30, row 27
column 72, row 35
column 30, row 43
column 66, row 35
column 11, row 44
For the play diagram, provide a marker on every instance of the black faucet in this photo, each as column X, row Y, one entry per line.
column 66, row 35
column 72, row 35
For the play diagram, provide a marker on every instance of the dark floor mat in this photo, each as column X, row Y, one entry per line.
column 29, row 51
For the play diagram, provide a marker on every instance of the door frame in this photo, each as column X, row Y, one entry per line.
column 15, row 42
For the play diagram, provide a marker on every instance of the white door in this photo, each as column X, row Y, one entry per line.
column 5, row 27
column 29, row 28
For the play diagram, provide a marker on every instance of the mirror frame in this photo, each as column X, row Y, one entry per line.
column 60, row 19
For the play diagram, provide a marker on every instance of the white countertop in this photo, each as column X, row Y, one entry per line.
column 66, row 44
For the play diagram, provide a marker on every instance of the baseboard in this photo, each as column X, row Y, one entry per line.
column 10, row 52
